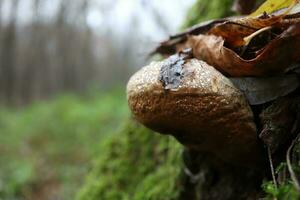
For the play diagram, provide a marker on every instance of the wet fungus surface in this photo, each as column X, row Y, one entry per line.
column 199, row 106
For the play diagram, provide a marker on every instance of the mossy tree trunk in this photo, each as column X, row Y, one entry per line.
column 140, row 165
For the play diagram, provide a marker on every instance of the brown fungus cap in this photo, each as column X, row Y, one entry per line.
column 205, row 112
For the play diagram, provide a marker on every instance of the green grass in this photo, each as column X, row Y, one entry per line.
column 46, row 147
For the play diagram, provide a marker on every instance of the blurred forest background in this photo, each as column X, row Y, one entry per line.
column 63, row 70
column 53, row 46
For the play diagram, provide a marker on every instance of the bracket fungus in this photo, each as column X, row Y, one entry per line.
column 229, row 92
column 200, row 107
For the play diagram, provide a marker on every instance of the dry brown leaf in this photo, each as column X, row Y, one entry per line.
column 169, row 46
column 234, row 31
column 274, row 58
column 248, row 46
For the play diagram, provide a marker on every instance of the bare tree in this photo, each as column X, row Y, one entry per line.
column 8, row 49
column 49, row 56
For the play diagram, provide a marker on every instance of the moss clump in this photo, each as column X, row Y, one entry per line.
column 286, row 189
column 204, row 10
column 283, row 192
column 137, row 165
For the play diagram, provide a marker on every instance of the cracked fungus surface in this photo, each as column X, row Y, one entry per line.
column 196, row 75
column 206, row 111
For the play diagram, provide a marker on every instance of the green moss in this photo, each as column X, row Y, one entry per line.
column 286, row 189
column 136, row 164
column 204, row 10
column 139, row 165
column 283, row 192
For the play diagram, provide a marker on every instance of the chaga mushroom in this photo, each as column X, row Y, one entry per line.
column 192, row 101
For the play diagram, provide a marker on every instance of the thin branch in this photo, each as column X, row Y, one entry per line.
column 289, row 164
column 272, row 167
column 248, row 39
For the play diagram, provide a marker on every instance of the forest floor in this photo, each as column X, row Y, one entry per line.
column 46, row 148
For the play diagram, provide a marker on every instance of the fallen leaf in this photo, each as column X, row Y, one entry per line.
column 168, row 47
column 233, row 30
column 272, row 5
column 243, row 46
column 274, row 58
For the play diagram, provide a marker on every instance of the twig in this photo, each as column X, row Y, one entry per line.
column 248, row 39
column 272, row 168
column 289, row 165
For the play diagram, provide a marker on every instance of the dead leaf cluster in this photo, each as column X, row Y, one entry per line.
column 263, row 45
